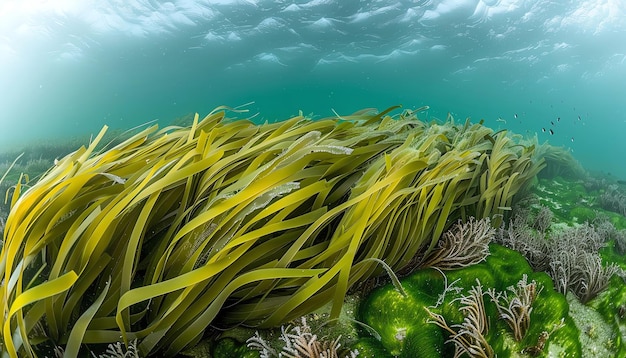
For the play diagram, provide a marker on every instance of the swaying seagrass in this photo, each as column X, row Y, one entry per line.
column 227, row 222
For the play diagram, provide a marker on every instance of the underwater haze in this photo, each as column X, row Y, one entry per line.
column 556, row 69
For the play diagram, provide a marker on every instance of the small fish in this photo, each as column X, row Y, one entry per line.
column 552, row 122
column 543, row 130
column 515, row 116
column 551, row 132
column 500, row 120
column 558, row 119
column 572, row 139
column 579, row 118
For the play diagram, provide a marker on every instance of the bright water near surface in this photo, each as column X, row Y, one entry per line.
column 70, row 67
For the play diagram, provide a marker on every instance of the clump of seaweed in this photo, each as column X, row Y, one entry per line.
column 620, row 242
column 559, row 162
column 116, row 350
column 590, row 277
column 607, row 230
column 113, row 350
column 569, row 256
column 468, row 336
column 300, row 342
column 613, row 199
column 173, row 231
column 575, row 264
column 584, row 238
column 519, row 236
column 465, row 244
column 542, row 220
column 515, row 309
column 593, row 183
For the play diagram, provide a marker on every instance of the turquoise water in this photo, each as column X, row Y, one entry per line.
column 70, row 67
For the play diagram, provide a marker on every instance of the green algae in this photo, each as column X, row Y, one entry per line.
column 403, row 322
column 230, row 348
column 370, row 347
column 611, row 254
column 383, row 306
column 572, row 203
column 565, row 198
column 581, row 214
column 619, row 221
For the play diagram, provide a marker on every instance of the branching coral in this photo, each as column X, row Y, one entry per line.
column 226, row 222
column 258, row 343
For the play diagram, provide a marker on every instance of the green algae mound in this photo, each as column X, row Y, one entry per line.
column 407, row 329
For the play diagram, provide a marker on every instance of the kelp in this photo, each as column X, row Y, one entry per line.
column 226, row 222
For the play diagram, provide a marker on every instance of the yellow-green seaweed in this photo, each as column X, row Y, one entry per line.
column 227, row 222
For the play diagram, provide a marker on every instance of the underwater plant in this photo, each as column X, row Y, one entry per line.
column 113, row 350
column 559, row 162
column 575, row 264
column 519, row 236
column 225, row 222
column 569, row 256
column 300, row 342
column 469, row 336
column 542, row 220
column 620, row 242
column 386, row 311
column 465, row 244
column 516, row 309
column 613, row 199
